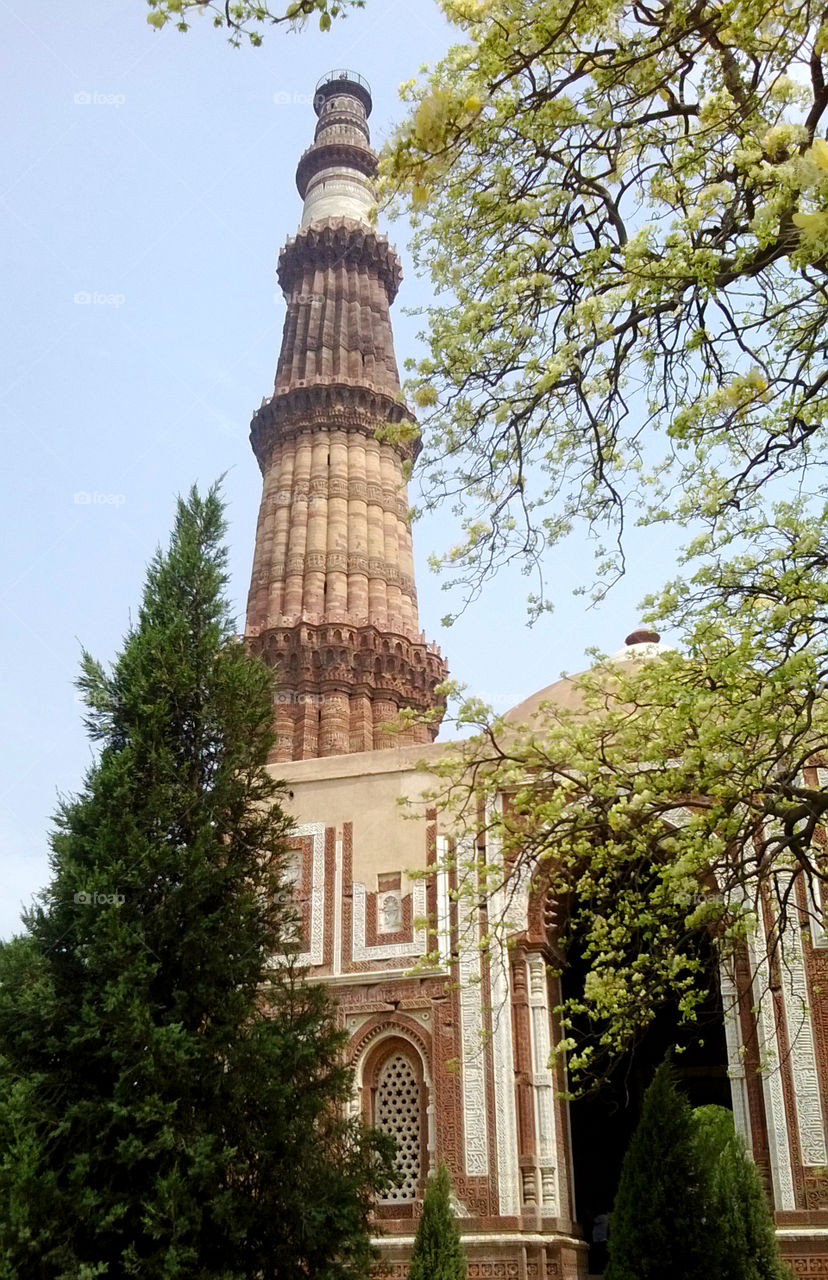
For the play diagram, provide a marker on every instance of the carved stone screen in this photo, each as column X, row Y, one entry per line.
column 397, row 1111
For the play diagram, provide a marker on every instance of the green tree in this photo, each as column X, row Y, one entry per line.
column 741, row 1240
column 173, row 1091
column 658, row 1227
column 667, row 806
column 624, row 211
column 438, row 1252
column 245, row 19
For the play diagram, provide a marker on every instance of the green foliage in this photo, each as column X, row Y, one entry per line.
column 438, row 1253
column 244, row 19
column 742, row 1243
column 663, row 801
column 172, row 1092
column 690, row 1204
column 658, row 1226
column 626, row 214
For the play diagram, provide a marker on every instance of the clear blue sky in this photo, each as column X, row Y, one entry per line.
column 153, row 173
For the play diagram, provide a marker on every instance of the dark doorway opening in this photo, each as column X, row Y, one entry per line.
column 603, row 1121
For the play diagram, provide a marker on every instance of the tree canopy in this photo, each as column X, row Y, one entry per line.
column 438, row 1252
column 690, row 1202
column 658, row 1226
column 244, row 19
column 626, row 208
column 667, row 812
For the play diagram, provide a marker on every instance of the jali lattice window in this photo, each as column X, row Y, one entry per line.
column 397, row 1110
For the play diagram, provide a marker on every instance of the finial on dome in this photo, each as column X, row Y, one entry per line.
column 643, row 636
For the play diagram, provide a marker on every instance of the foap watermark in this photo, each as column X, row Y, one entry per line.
column 83, row 498
column 87, row 98
column 83, row 298
column 284, row 696
column 99, row 899
column 301, row 298
column 283, row 98
column 499, row 699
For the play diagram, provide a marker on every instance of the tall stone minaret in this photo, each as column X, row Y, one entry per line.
column 332, row 600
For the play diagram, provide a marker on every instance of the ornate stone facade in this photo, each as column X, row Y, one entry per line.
column 453, row 1056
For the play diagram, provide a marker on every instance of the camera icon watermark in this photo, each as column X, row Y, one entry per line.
column 83, row 498
column 83, row 298
column 85, row 899
column 83, row 98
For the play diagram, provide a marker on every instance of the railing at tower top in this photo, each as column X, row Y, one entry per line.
column 348, row 80
column 353, row 76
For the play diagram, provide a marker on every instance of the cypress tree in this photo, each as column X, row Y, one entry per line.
column 742, row 1239
column 173, row 1090
column 657, row 1228
column 438, row 1252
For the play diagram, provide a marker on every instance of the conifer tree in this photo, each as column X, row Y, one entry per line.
column 742, row 1239
column 438, row 1252
column 657, row 1227
column 172, row 1090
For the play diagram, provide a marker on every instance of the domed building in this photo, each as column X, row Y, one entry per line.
column 453, row 1059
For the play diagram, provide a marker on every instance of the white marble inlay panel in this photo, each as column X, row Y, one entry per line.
column 543, row 1079
column 771, row 1075
column 504, row 1087
column 443, row 939
column 508, row 1181
column 817, row 916
column 735, row 1056
column 475, row 1127
column 388, row 950
column 796, row 1001
column 316, row 953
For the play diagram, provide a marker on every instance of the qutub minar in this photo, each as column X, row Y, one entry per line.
column 453, row 1060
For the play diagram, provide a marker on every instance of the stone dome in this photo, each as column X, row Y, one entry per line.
column 639, row 646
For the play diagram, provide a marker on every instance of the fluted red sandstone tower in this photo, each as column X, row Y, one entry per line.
column 332, row 599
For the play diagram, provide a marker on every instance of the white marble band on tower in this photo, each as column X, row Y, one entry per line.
column 335, row 174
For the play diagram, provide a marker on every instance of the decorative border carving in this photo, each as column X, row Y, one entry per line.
column 768, row 1046
column 358, row 955
column 312, row 881
column 735, row 1053
column 503, row 1057
column 411, row 942
column 475, row 1129
column 802, row 1051
column 543, row 1081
